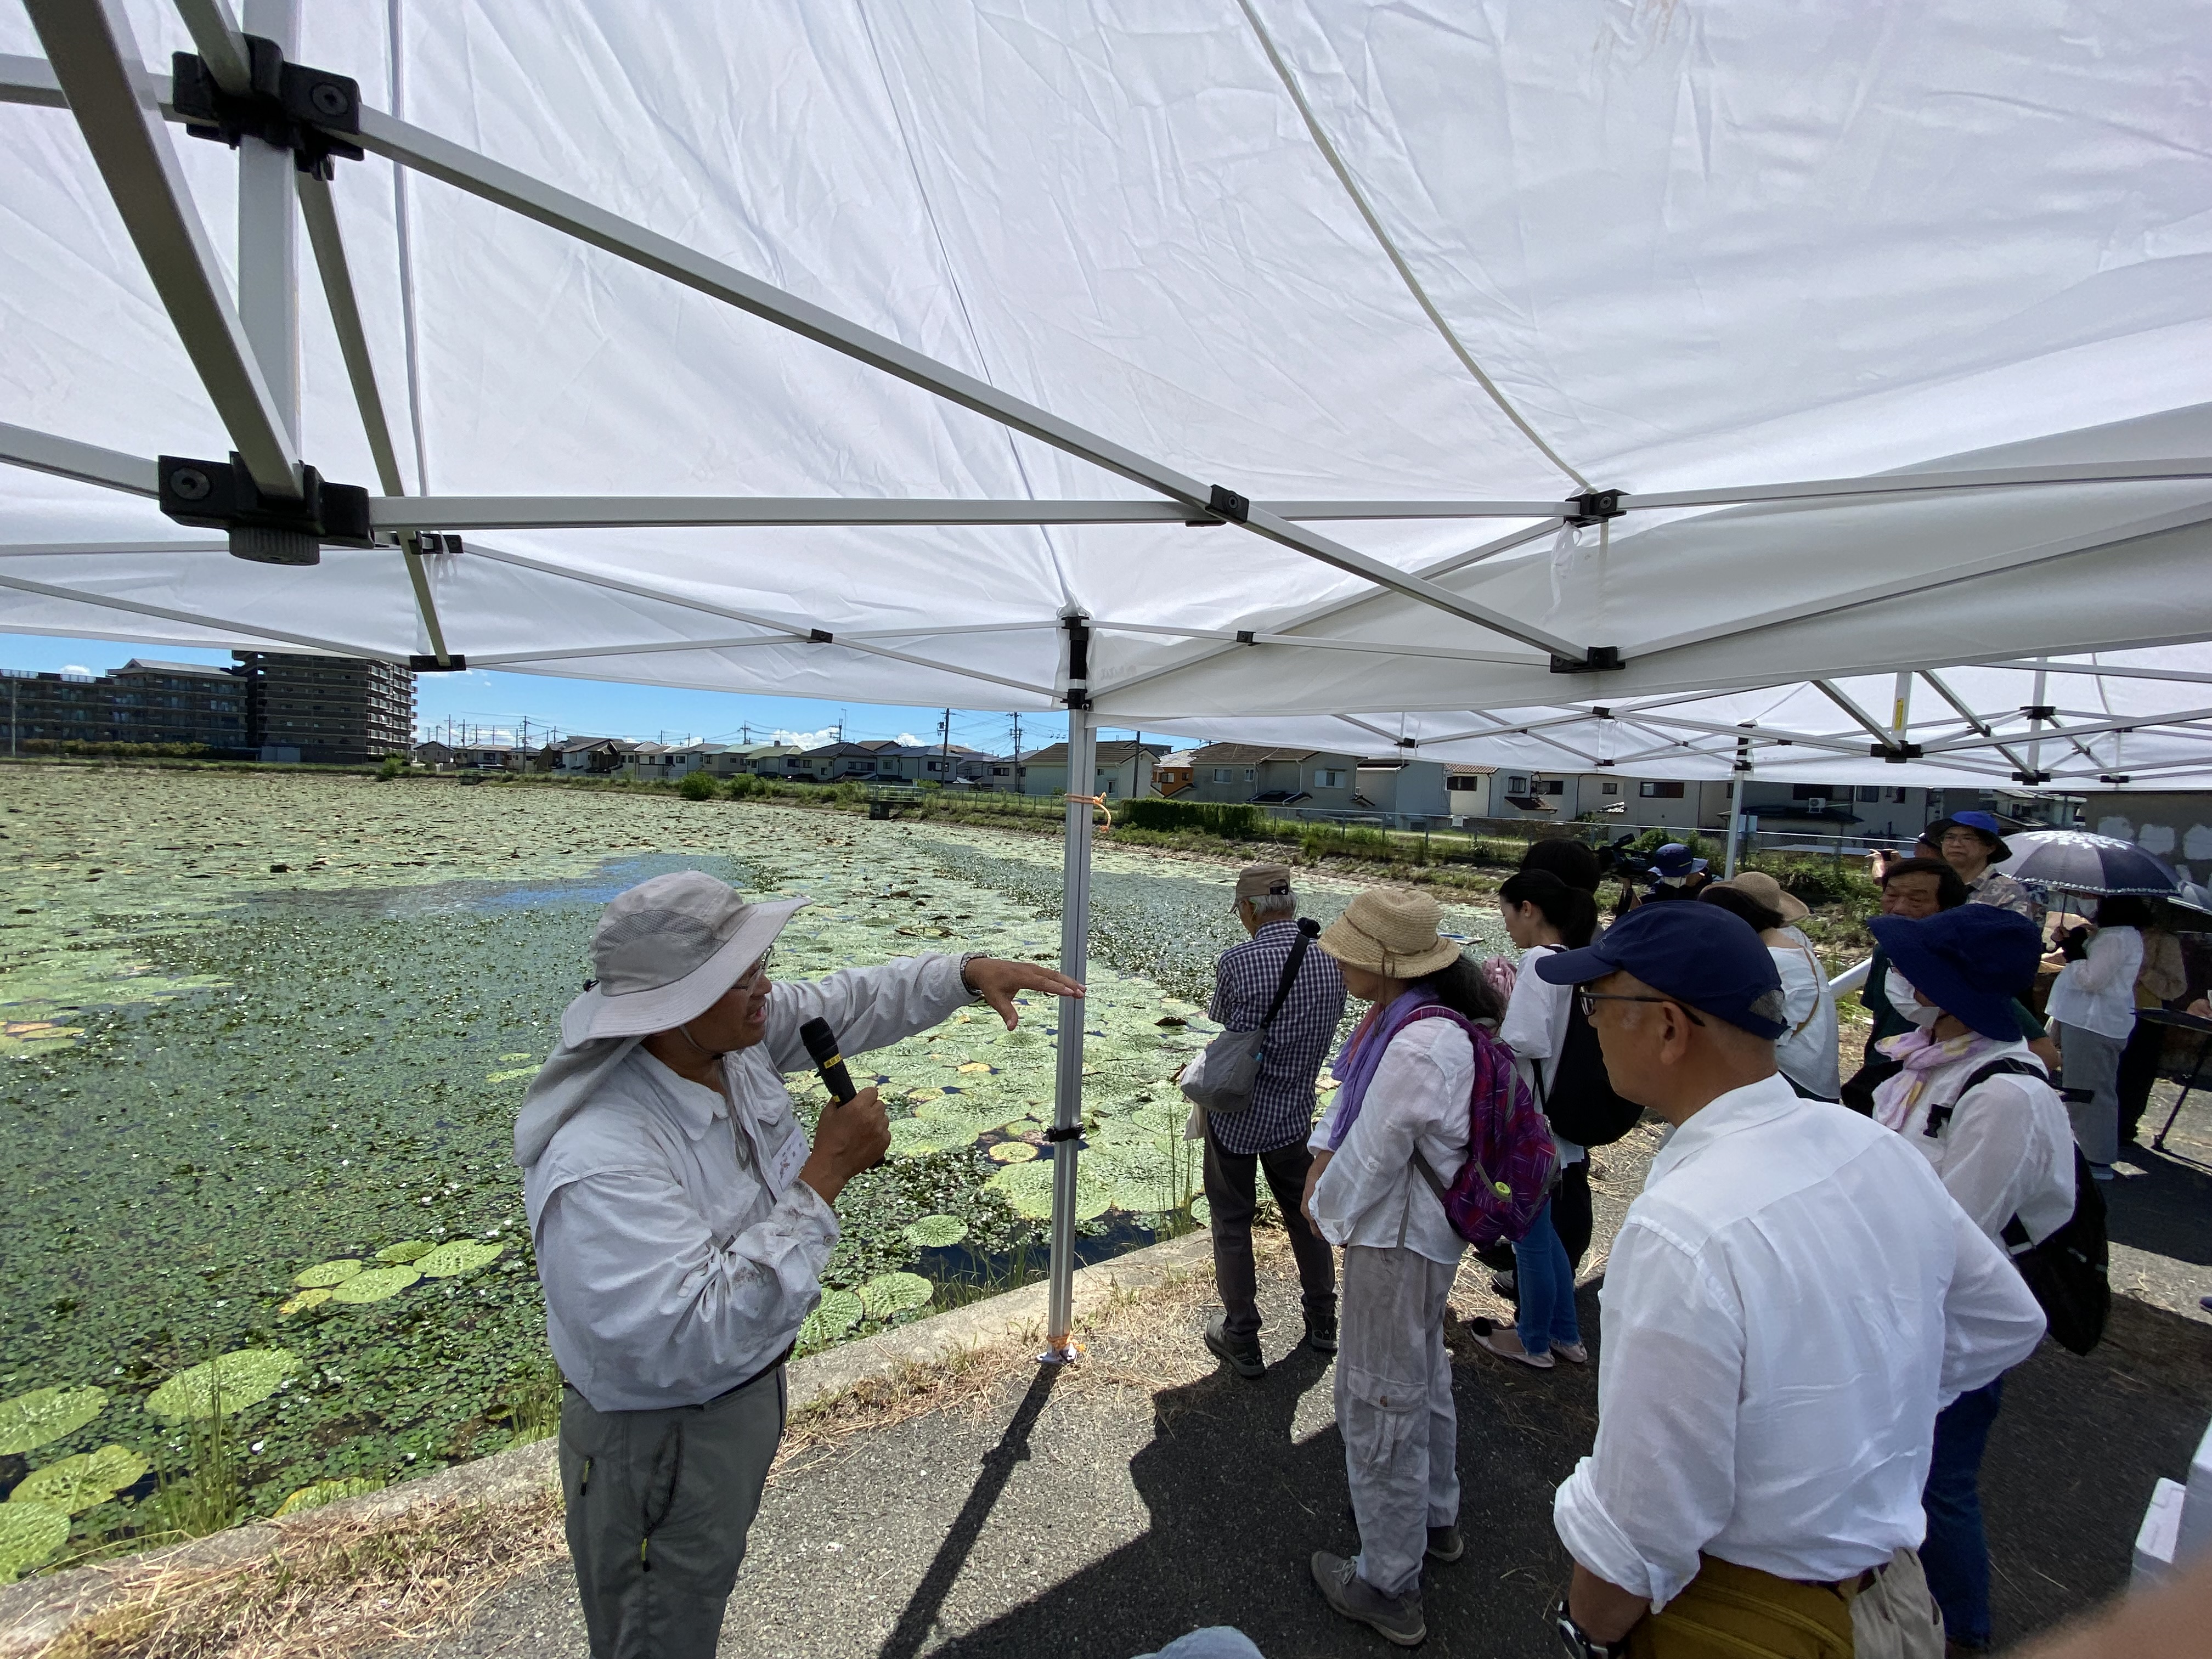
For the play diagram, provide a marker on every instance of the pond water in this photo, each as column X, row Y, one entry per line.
column 259, row 1024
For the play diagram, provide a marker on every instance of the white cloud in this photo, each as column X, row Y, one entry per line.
column 908, row 740
column 74, row 668
column 805, row 739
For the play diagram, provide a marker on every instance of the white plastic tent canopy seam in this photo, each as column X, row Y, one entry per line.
column 1932, row 292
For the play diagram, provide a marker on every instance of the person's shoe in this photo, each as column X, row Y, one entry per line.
column 1321, row 1332
column 1396, row 1618
column 1506, row 1287
column 1445, row 1544
column 1497, row 1337
column 2101, row 1172
column 1243, row 1357
column 1573, row 1352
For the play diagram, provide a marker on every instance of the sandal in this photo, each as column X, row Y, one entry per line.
column 1484, row 1329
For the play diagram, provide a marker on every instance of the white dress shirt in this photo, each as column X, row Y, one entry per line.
column 677, row 1248
column 1791, row 1300
column 1535, row 1029
column 2006, row 1149
column 1807, row 1051
column 2098, row 993
column 1371, row 1193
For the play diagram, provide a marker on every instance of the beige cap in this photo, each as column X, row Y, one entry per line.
column 665, row 952
column 1392, row 931
column 1263, row 880
column 1762, row 889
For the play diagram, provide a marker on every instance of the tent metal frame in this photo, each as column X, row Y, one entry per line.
column 247, row 354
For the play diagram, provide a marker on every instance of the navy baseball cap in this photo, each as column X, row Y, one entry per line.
column 1971, row 962
column 1702, row 956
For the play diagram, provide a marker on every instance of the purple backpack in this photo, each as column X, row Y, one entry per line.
column 1510, row 1152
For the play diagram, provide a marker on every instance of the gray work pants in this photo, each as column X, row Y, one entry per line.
column 1232, row 1200
column 2089, row 1061
column 1394, row 1408
column 658, row 1506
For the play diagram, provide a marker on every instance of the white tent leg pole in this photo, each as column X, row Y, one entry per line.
column 269, row 236
column 1068, row 1094
column 1735, row 825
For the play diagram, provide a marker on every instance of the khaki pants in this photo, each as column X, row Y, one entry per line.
column 1731, row 1612
column 658, row 1506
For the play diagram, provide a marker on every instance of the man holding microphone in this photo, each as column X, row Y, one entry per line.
column 682, row 1221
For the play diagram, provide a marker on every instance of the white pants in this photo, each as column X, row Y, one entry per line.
column 1394, row 1407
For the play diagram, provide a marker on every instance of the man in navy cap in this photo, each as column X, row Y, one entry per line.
column 1972, row 843
column 1979, row 1106
column 1788, row 1303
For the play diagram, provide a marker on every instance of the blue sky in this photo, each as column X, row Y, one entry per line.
column 493, row 705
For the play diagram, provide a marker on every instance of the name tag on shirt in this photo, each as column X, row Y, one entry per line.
column 783, row 1163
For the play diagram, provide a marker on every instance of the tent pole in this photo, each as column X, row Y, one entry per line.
column 1068, row 1096
column 1735, row 825
column 269, row 236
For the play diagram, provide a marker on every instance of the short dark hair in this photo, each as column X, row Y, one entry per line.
column 1736, row 902
column 1570, row 860
column 1950, row 887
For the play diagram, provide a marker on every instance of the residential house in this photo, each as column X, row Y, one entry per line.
column 591, row 755
column 728, row 760
column 924, row 762
column 1408, row 788
column 433, row 754
column 1124, row 771
column 1171, row 774
column 1307, row 779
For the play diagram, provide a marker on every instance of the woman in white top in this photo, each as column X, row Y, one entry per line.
column 1542, row 914
column 1806, row 1052
column 1407, row 1075
column 2093, row 1014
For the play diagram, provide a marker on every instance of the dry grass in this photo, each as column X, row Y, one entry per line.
column 328, row 1590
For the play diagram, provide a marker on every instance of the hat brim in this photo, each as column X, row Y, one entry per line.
column 1575, row 967
column 1793, row 909
column 1355, row 950
column 1987, row 1013
column 1933, row 834
column 639, row 1013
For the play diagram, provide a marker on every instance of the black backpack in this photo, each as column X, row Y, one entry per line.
column 1579, row 1097
column 2068, row 1271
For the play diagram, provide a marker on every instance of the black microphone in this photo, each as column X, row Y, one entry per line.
column 822, row 1044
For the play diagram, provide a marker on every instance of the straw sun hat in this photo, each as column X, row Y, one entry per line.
column 1762, row 889
column 1391, row 930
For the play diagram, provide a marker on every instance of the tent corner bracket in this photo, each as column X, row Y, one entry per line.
column 455, row 663
column 1896, row 754
column 262, row 528
column 1596, row 659
column 287, row 106
column 1593, row 506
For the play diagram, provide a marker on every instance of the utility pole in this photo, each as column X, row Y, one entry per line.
column 1016, row 775
column 945, row 745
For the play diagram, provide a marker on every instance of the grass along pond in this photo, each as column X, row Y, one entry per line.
column 265, row 1039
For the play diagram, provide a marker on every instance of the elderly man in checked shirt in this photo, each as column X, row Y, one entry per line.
column 1270, row 1135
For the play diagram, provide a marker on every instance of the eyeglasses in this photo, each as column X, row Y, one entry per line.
column 756, row 973
column 1589, row 1000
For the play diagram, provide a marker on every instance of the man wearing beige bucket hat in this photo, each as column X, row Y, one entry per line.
column 681, row 1220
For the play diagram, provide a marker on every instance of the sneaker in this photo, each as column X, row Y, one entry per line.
column 1573, row 1352
column 2101, row 1172
column 1396, row 1618
column 1445, row 1544
column 1497, row 1337
column 1321, row 1332
column 1505, row 1287
column 1243, row 1357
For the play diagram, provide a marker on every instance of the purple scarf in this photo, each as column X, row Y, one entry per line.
column 1363, row 1054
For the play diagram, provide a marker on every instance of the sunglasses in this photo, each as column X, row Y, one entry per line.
column 1589, row 1000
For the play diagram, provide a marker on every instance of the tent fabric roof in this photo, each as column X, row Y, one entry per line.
column 1313, row 254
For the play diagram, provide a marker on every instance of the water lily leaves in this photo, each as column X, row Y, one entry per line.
column 914, row 1137
column 839, row 1312
column 978, row 1065
column 45, row 1415
column 1012, row 1152
column 935, row 1232
column 924, row 1094
column 462, row 1255
column 312, row 1297
column 29, row 1534
column 895, row 1293
column 1200, row 1211
column 1026, row 1187
column 375, row 1285
column 324, row 1274
column 400, row 1254
column 242, row 1377
column 76, row 1484
column 326, row 1491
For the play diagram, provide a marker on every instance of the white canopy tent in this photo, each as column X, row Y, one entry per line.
column 1217, row 364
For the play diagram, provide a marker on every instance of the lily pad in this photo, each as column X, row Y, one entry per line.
column 242, row 1377
column 1012, row 1152
column 978, row 1065
column 29, row 1534
column 76, row 1484
column 375, row 1285
column 462, row 1255
column 895, row 1293
column 398, row 1255
column 839, row 1312
column 935, row 1232
column 1201, row 1210
column 327, row 1492
column 45, row 1415
column 313, row 1297
column 324, row 1274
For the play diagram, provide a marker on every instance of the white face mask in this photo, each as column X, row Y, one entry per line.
column 1906, row 1000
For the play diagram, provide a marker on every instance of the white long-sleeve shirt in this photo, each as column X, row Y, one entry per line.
column 678, row 1248
column 1807, row 1051
column 2098, row 993
column 1371, row 1193
column 1790, row 1300
column 1535, row 1029
column 2006, row 1149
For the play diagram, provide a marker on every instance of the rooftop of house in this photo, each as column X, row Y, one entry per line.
column 154, row 665
column 1252, row 754
column 1114, row 751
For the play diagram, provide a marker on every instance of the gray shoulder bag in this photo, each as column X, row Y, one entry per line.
column 1228, row 1066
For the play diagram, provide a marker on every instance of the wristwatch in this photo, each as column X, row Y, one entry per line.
column 1579, row 1642
column 967, row 984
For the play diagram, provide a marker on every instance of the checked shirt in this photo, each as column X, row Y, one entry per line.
column 1244, row 981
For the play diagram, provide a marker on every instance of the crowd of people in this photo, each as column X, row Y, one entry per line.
column 1810, row 1307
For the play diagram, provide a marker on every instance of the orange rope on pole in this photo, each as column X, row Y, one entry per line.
column 1099, row 801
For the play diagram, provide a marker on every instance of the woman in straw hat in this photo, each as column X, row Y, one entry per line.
column 1406, row 1082
column 1806, row 1053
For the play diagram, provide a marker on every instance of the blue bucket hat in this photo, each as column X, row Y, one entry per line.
column 1702, row 956
column 1674, row 861
column 1971, row 962
column 1984, row 822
